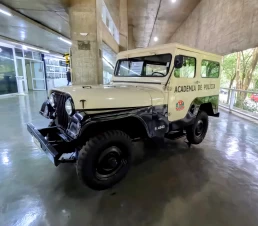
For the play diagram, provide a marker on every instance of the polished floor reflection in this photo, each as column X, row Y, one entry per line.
column 215, row 183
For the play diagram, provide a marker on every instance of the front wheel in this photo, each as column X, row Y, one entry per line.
column 105, row 160
column 197, row 132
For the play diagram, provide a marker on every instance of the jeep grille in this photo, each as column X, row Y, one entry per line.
column 62, row 117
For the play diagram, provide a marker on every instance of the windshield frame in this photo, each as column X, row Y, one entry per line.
column 141, row 76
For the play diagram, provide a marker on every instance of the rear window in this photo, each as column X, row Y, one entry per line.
column 210, row 69
column 146, row 66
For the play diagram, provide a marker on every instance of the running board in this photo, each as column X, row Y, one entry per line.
column 175, row 136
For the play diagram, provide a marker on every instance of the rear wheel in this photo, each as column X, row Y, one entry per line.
column 105, row 160
column 197, row 132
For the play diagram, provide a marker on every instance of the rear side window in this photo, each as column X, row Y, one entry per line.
column 210, row 69
column 188, row 69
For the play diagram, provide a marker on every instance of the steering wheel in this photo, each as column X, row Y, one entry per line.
column 156, row 72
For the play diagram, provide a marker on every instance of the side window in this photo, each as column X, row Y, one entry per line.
column 210, row 69
column 188, row 69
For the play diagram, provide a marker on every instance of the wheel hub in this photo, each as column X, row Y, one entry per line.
column 110, row 162
column 113, row 162
column 199, row 128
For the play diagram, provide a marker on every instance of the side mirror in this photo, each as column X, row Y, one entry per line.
column 179, row 61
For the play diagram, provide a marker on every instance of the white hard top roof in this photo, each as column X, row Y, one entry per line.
column 171, row 46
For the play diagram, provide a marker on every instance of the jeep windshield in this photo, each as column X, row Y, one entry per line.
column 145, row 66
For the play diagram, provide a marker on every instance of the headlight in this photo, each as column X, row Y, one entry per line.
column 52, row 99
column 69, row 106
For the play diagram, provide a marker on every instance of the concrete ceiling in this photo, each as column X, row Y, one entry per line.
column 28, row 33
column 36, row 23
column 149, row 18
column 50, row 13
column 158, row 18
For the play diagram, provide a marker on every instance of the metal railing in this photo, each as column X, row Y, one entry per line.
column 241, row 101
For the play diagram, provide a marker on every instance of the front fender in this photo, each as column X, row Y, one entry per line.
column 152, row 119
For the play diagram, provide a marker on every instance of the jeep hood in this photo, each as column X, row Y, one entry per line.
column 111, row 97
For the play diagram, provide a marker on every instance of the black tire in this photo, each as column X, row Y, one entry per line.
column 197, row 132
column 110, row 149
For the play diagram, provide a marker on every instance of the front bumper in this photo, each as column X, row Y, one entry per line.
column 57, row 151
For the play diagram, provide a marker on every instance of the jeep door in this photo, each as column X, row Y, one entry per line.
column 183, row 85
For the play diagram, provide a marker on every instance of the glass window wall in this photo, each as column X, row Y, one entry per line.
column 56, row 72
column 8, row 83
column 28, row 54
column 8, row 73
column 37, row 56
column 19, row 52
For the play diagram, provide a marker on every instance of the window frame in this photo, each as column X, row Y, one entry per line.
column 194, row 69
column 213, row 62
column 124, row 59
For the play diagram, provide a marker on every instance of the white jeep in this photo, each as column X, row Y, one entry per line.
column 164, row 91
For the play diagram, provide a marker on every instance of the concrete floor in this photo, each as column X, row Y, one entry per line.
column 215, row 183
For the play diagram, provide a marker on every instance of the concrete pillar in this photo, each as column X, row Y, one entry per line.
column 131, row 42
column 123, row 28
column 86, row 35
